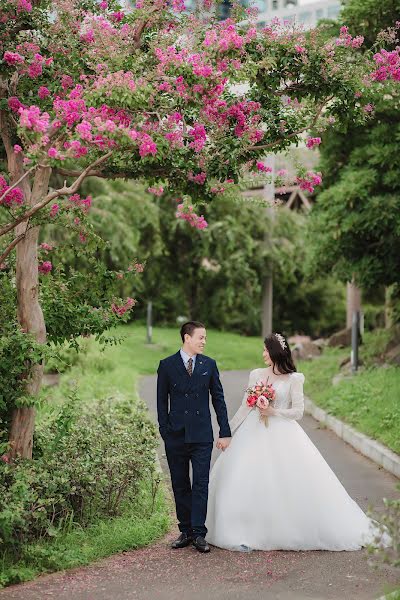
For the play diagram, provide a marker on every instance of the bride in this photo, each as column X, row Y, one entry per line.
column 271, row 489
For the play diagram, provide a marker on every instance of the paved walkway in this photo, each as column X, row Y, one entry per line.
column 158, row 573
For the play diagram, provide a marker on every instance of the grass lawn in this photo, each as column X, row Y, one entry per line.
column 368, row 401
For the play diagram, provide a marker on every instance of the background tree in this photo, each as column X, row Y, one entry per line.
column 221, row 267
column 354, row 227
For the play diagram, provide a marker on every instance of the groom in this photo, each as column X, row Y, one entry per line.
column 188, row 378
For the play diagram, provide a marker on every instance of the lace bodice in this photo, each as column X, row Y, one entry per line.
column 289, row 400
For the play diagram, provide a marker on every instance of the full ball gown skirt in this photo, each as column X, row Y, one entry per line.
column 272, row 489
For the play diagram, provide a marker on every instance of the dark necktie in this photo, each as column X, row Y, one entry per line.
column 190, row 366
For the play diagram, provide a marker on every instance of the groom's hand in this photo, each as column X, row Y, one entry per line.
column 223, row 443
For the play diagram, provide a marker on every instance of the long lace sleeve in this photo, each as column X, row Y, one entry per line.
column 297, row 399
column 243, row 410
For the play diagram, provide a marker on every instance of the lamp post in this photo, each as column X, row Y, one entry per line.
column 268, row 287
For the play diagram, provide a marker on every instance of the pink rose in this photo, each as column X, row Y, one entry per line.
column 262, row 402
column 251, row 401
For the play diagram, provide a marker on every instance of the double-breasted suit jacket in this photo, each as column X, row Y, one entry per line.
column 183, row 400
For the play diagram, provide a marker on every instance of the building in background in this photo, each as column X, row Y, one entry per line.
column 290, row 10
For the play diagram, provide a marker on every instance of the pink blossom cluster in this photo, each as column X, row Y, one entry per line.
column 388, row 64
column 82, row 203
column 262, row 167
column 71, row 110
column 157, row 191
column 117, row 16
column 24, row 6
column 45, row 267
column 14, row 196
column 105, row 36
column 76, row 148
column 14, row 104
column 119, row 80
column 345, row 39
column 217, row 189
column 312, row 142
column 170, row 56
column 200, row 178
column 147, row 145
column 310, row 180
column 13, row 58
column 243, row 115
column 33, row 118
column 194, row 220
column 54, row 210
column 46, row 247
column 368, row 108
column 55, row 154
column 199, row 135
column 43, row 92
column 225, row 37
column 138, row 267
column 122, row 309
column 35, row 67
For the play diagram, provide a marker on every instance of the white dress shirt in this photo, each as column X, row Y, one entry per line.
column 185, row 358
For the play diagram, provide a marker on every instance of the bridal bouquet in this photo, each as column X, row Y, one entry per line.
column 261, row 395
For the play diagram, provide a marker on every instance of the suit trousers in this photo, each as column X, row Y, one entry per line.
column 190, row 498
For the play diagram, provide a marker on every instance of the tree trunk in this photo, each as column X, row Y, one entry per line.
column 30, row 315
column 268, row 285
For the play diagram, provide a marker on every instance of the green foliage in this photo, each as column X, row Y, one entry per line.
column 217, row 274
column 369, row 17
column 354, row 228
column 355, row 225
column 74, row 303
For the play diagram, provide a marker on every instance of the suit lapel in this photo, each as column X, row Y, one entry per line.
column 198, row 365
column 180, row 367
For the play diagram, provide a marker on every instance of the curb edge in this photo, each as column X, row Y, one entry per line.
column 370, row 448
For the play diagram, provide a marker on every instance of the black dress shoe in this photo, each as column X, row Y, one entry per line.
column 183, row 540
column 200, row 544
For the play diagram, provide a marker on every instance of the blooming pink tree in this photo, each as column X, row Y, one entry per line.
column 155, row 94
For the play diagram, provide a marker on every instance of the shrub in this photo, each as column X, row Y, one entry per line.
column 86, row 466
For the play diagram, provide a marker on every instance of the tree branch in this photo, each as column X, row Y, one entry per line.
column 103, row 175
column 140, row 28
column 294, row 133
column 11, row 246
column 53, row 195
column 17, row 183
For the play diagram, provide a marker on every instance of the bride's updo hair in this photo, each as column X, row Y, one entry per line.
column 280, row 354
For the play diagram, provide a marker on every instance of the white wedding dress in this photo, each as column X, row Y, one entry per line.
column 272, row 490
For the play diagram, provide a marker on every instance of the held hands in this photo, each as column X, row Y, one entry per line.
column 223, row 443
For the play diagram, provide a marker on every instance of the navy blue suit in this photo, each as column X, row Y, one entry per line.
column 184, row 418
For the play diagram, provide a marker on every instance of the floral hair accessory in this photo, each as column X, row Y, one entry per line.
column 281, row 340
